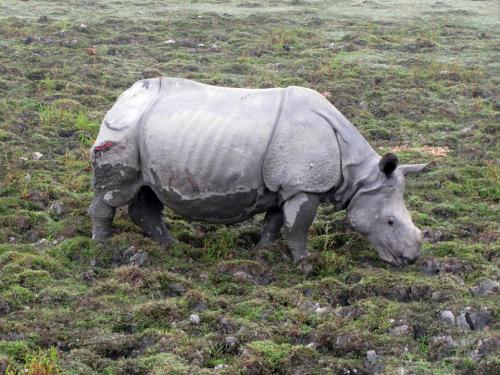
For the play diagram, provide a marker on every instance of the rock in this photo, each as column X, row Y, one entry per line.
column 241, row 277
column 82, row 26
column 478, row 320
column 311, row 345
column 467, row 129
column 441, row 346
column 432, row 236
column 449, row 75
column 37, row 155
column 488, row 345
column 88, row 276
column 224, row 324
column 42, row 244
column 12, row 239
column 57, row 209
column 474, row 320
column 139, row 258
column 363, row 106
column 371, row 356
column 447, row 316
column 231, row 343
column 400, row 330
column 170, row 41
column 32, row 235
column 485, row 287
column 194, row 318
column 305, row 267
column 4, row 307
column 462, row 322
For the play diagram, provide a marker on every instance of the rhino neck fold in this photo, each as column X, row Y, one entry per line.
column 359, row 161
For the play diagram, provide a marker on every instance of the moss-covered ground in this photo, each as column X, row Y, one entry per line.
column 420, row 77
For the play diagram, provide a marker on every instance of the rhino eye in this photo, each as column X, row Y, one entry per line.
column 390, row 221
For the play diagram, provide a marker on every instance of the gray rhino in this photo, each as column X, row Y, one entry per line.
column 222, row 155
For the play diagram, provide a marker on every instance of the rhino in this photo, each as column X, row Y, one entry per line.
column 222, row 155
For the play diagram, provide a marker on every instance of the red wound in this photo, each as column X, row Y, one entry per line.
column 106, row 145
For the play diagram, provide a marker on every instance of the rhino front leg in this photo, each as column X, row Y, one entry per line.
column 271, row 231
column 102, row 216
column 146, row 212
column 299, row 213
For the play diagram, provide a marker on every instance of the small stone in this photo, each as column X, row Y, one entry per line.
column 400, row 330
column 441, row 346
column 478, row 321
column 139, row 258
column 363, row 106
column 231, row 342
column 462, row 322
column 42, row 243
column 432, row 236
column 311, row 345
column 371, row 356
column 27, row 178
column 241, row 276
column 220, row 367
column 225, row 324
column 37, row 155
column 452, row 76
column 485, row 287
column 4, row 307
column 170, row 41
column 57, row 208
column 201, row 45
column 82, row 26
column 12, row 239
column 32, row 235
column 488, row 345
column 305, row 267
column 447, row 316
column 331, row 45
column 467, row 129
column 88, row 276
column 194, row 318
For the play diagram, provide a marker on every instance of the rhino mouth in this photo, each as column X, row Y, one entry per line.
column 388, row 256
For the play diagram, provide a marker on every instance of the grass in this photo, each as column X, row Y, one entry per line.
column 417, row 77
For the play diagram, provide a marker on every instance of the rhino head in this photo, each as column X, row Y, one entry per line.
column 378, row 212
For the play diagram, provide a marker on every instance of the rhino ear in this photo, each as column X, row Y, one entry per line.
column 388, row 163
column 407, row 169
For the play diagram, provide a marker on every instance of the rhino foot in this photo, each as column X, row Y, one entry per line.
column 146, row 212
column 102, row 219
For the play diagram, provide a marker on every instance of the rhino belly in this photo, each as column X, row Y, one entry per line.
column 202, row 151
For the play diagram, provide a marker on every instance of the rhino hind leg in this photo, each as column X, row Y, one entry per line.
column 299, row 212
column 146, row 212
column 272, row 225
column 102, row 218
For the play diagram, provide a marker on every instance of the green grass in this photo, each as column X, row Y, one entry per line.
column 419, row 77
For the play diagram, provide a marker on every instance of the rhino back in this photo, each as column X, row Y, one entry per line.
column 200, row 141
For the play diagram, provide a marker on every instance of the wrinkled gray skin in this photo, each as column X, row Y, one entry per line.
column 223, row 155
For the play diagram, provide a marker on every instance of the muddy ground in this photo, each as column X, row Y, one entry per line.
column 419, row 78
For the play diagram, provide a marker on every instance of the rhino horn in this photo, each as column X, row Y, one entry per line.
column 388, row 163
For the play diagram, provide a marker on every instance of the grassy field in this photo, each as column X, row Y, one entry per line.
column 419, row 78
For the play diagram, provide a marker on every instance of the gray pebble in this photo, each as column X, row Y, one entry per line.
column 447, row 316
